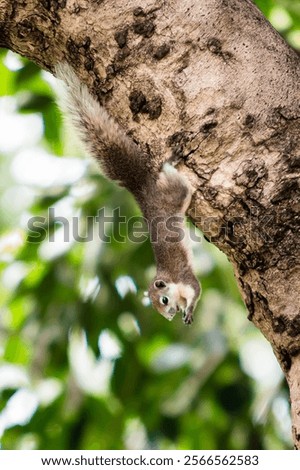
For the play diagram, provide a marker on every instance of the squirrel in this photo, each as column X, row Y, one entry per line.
column 163, row 196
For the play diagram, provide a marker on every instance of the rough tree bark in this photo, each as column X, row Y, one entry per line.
column 213, row 83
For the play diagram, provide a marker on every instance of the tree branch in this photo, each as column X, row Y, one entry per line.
column 293, row 378
column 192, row 80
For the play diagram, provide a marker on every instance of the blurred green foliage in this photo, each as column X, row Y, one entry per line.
column 285, row 17
column 84, row 363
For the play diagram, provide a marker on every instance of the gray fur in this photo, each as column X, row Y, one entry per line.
column 161, row 196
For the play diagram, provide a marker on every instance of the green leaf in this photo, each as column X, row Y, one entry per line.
column 34, row 103
column 17, row 351
column 26, row 74
column 6, row 82
column 52, row 125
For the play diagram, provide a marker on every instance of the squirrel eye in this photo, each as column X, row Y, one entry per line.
column 165, row 300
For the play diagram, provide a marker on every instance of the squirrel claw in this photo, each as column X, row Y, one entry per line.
column 187, row 318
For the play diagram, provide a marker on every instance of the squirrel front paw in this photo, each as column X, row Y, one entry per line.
column 188, row 318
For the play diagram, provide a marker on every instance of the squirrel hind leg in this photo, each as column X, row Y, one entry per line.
column 175, row 186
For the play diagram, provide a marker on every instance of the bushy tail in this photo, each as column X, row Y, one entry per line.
column 120, row 158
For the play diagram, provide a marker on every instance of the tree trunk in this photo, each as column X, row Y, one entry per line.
column 214, row 84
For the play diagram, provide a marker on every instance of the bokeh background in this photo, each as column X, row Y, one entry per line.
column 85, row 363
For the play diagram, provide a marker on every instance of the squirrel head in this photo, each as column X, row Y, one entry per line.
column 168, row 298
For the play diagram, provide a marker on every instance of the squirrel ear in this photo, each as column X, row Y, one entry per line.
column 159, row 284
